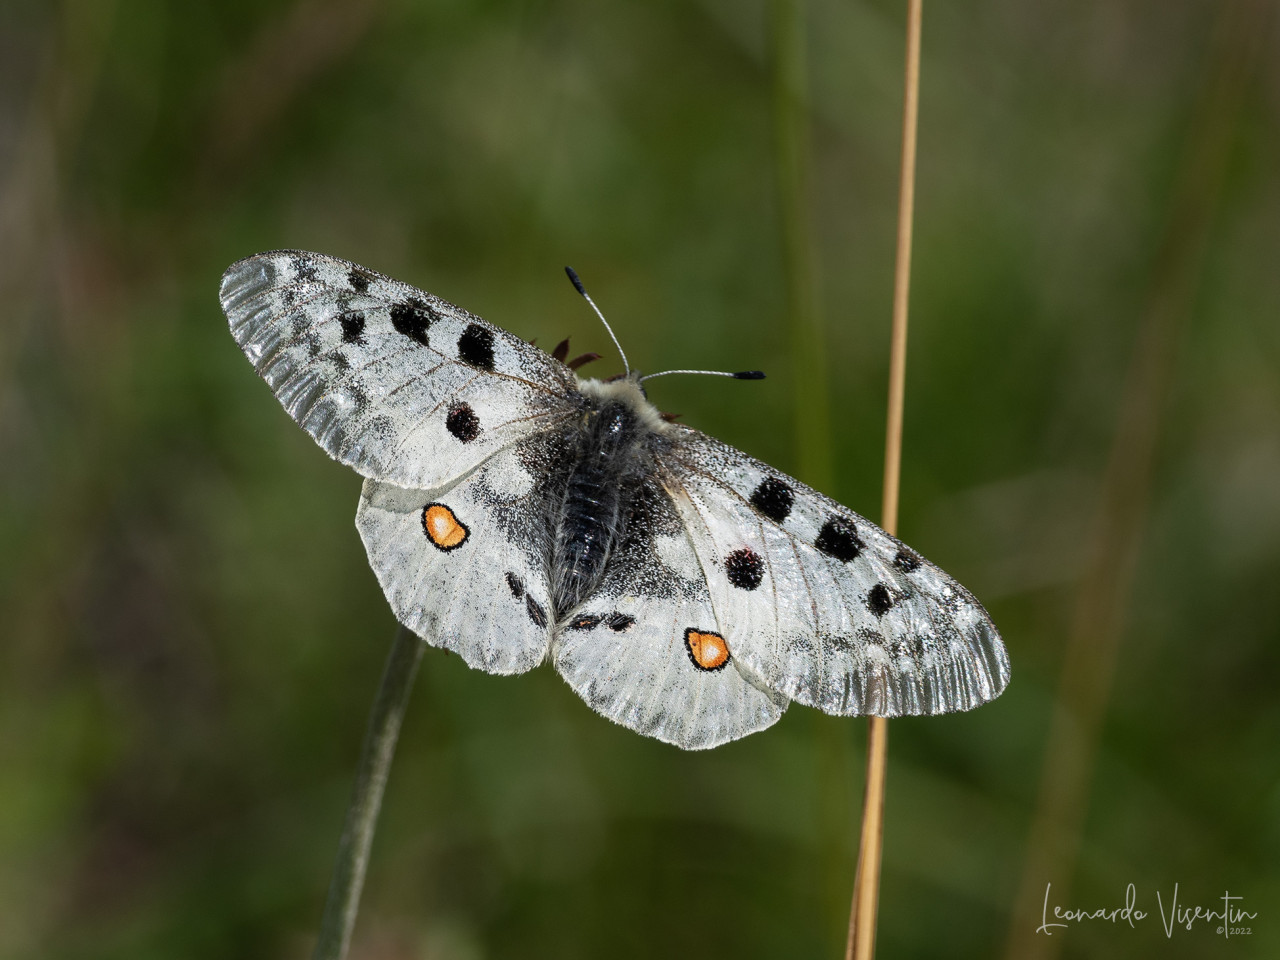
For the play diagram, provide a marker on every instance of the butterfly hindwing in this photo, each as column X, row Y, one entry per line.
column 828, row 608
column 392, row 381
column 463, row 565
column 646, row 648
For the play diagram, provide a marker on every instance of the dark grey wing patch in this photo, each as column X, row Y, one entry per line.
column 644, row 671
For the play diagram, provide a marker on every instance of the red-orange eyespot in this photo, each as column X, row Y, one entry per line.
column 442, row 527
column 707, row 650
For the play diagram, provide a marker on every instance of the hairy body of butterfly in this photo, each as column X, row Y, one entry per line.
column 515, row 513
column 607, row 453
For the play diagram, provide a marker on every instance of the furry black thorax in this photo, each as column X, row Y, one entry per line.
column 594, row 496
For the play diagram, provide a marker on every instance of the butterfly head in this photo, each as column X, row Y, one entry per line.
column 625, row 389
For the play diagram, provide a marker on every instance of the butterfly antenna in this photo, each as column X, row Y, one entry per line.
column 740, row 375
column 577, row 285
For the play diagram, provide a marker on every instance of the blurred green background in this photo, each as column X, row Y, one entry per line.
column 190, row 636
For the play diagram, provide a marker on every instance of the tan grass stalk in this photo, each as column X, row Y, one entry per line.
column 861, row 941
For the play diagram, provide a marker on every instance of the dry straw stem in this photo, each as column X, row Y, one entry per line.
column 371, row 779
column 1093, row 643
column 866, row 889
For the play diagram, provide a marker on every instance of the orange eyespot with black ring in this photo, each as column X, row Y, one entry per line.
column 443, row 528
column 707, row 649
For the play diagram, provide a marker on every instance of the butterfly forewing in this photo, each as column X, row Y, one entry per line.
column 392, row 381
column 821, row 603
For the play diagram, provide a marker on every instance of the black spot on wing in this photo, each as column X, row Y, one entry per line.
column 906, row 561
column 588, row 622
column 745, row 568
column 352, row 326
column 412, row 318
column 879, row 600
column 773, row 498
column 618, row 622
column 536, row 613
column 462, row 422
column 515, row 584
column 475, row 347
column 359, row 280
column 839, row 538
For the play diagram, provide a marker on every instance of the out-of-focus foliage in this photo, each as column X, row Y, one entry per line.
column 190, row 636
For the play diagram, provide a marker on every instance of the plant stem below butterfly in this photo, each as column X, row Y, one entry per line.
column 376, row 755
column 866, row 890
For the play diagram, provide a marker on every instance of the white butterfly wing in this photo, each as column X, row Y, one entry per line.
column 646, row 648
column 461, row 565
column 388, row 379
column 820, row 603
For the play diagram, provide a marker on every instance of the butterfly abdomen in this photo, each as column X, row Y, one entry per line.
column 608, row 450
